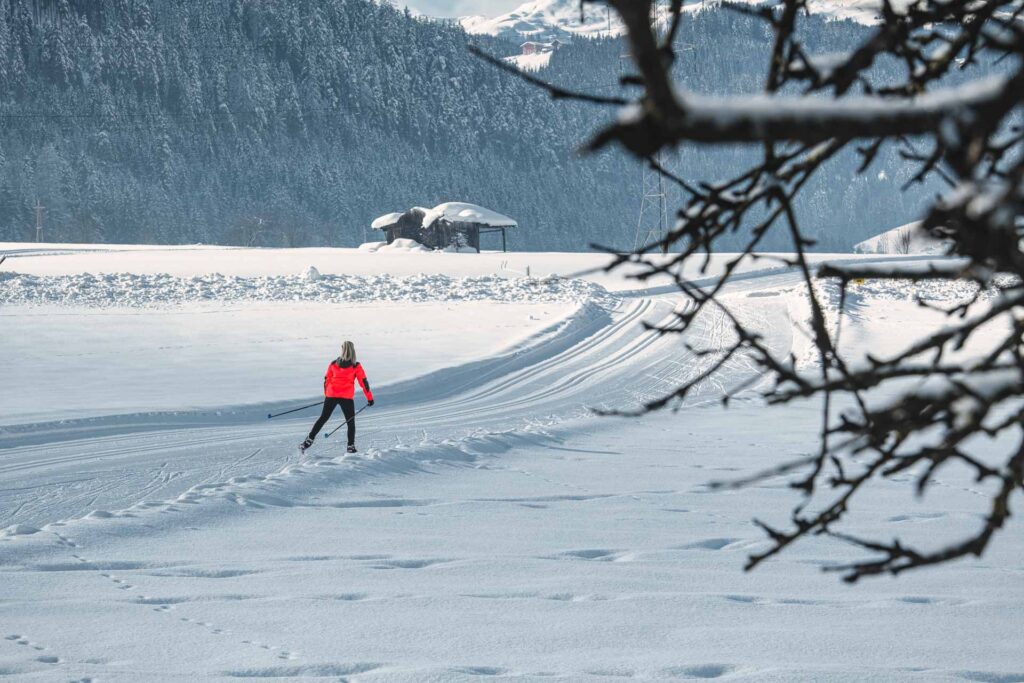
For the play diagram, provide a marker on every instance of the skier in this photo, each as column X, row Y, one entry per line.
column 339, row 390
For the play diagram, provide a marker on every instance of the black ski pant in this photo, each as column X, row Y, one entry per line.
column 348, row 407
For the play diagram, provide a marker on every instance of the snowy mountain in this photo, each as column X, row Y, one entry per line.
column 546, row 20
column 549, row 19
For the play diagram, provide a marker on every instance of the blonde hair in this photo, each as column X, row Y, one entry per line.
column 348, row 353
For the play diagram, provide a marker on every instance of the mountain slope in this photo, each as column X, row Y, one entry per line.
column 223, row 121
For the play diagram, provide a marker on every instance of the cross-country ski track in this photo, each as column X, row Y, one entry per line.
column 491, row 527
column 596, row 358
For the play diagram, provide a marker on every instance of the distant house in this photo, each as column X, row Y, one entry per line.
column 452, row 225
column 533, row 47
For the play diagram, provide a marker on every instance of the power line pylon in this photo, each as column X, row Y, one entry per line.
column 39, row 220
column 652, row 224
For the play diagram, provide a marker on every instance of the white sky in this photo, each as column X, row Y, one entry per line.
column 458, row 8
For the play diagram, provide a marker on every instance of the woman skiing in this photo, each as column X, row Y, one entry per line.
column 339, row 390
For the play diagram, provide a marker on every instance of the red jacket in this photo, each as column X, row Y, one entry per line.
column 339, row 382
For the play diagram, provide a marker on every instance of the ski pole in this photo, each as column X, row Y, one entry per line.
column 328, row 434
column 293, row 410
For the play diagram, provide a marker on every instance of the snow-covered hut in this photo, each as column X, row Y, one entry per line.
column 906, row 239
column 400, row 225
column 452, row 224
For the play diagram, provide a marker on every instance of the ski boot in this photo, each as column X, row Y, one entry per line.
column 304, row 446
column 351, row 449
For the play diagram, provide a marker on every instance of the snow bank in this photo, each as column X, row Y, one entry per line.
column 133, row 290
column 403, row 245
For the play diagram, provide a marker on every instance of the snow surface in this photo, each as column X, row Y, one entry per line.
column 490, row 528
column 402, row 244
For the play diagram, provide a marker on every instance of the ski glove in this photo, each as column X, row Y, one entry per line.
column 370, row 402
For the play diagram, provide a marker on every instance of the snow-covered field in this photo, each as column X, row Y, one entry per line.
column 159, row 527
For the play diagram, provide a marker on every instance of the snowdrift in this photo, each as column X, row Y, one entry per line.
column 136, row 290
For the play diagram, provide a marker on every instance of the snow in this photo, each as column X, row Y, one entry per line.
column 156, row 526
column 466, row 212
column 547, row 19
column 403, row 245
column 534, row 62
column 867, row 12
column 735, row 117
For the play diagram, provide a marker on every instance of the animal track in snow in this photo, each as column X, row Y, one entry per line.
column 20, row 640
column 34, row 648
column 165, row 605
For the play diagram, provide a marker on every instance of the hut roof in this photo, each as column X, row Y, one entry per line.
column 463, row 212
column 386, row 220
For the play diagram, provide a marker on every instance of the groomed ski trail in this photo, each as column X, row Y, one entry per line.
column 594, row 359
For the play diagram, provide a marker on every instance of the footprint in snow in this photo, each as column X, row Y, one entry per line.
column 308, row 671
column 201, row 573
column 991, row 677
column 409, row 564
column 481, row 670
column 917, row 518
column 709, row 544
column 589, row 554
column 18, row 639
column 699, row 671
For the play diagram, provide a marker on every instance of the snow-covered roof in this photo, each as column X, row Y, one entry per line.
column 384, row 221
column 463, row 212
column 906, row 239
